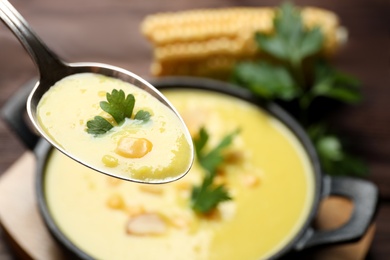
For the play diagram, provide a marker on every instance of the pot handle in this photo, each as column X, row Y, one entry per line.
column 364, row 196
column 14, row 114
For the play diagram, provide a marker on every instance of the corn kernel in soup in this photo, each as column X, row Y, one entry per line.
column 151, row 150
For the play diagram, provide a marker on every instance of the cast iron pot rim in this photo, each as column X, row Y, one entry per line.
column 43, row 150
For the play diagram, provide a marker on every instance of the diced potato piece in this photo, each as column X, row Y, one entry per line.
column 113, row 181
column 115, row 201
column 146, row 224
column 153, row 189
column 183, row 185
column 135, row 210
column 181, row 222
column 194, row 120
column 132, row 147
column 250, row 180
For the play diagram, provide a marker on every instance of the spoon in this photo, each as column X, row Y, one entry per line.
column 52, row 69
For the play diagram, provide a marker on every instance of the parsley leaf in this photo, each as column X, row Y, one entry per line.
column 119, row 107
column 206, row 197
column 332, row 153
column 142, row 115
column 295, row 73
column 98, row 126
column 292, row 41
column 267, row 80
column 330, row 147
column 211, row 160
column 334, row 84
column 281, row 74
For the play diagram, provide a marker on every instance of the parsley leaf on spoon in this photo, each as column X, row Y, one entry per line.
column 120, row 107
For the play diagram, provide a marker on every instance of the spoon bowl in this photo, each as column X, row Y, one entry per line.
column 52, row 69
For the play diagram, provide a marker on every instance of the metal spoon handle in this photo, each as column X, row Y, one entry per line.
column 43, row 57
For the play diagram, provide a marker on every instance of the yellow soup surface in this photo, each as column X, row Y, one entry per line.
column 147, row 151
column 267, row 173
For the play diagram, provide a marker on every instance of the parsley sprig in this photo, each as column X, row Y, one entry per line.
column 332, row 153
column 119, row 106
column 294, row 72
column 207, row 195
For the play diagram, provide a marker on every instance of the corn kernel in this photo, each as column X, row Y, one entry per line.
column 110, row 161
column 131, row 147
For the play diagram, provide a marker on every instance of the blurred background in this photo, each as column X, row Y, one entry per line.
column 108, row 31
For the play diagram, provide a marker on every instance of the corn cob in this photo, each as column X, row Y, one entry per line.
column 208, row 42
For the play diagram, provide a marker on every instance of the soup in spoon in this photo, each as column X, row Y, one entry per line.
column 57, row 120
column 116, row 127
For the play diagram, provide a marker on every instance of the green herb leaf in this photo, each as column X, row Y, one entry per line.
column 266, row 80
column 200, row 142
column 330, row 147
column 142, row 115
column 334, row 84
column 98, row 125
column 291, row 41
column 211, row 160
column 331, row 151
column 335, row 161
column 293, row 71
column 119, row 107
column 207, row 196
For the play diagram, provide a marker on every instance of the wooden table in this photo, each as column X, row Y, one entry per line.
column 108, row 31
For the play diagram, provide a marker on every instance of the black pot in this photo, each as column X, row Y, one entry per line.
column 362, row 193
